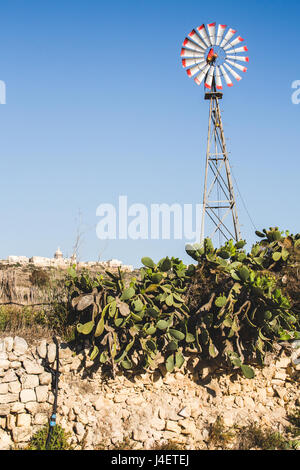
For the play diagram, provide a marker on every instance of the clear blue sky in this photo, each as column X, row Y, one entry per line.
column 98, row 106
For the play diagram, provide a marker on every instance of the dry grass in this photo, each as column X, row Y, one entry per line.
column 31, row 323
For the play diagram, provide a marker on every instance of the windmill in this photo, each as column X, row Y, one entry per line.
column 210, row 55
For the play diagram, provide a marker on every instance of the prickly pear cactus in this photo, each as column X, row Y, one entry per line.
column 226, row 307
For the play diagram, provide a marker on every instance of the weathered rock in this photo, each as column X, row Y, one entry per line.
column 6, row 442
column 17, row 407
column 51, row 352
column 45, row 378
column 9, row 343
column 283, row 362
column 5, row 409
column 4, row 364
column 42, row 349
column 20, row 346
column 32, row 407
column 188, row 426
column 29, row 381
column 79, row 430
column 41, row 393
column 248, row 402
column 21, row 434
column 41, row 418
column 184, row 413
column 32, row 367
column 27, row 395
column 139, row 434
column 8, row 398
column 280, row 375
column 14, row 387
column 9, row 376
column 3, row 388
column 23, row 419
column 15, row 364
column 172, row 426
column 157, row 424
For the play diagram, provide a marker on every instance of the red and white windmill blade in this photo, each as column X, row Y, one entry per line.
column 210, row 53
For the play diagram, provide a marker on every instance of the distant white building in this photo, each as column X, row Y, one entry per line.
column 17, row 259
column 59, row 261
column 58, row 254
column 40, row 261
column 114, row 263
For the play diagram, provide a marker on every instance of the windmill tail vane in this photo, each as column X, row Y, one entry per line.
column 213, row 55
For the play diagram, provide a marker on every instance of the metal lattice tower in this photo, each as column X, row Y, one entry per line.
column 219, row 203
column 209, row 54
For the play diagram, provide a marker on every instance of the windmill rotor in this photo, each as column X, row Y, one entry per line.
column 221, row 48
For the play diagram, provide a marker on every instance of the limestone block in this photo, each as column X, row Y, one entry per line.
column 27, row 395
column 239, row 401
column 41, row 418
column 3, row 389
column 32, row 367
column 157, row 424
column 8, row 398
column 15, row 364
column 5, row 409
column 9, row 376
column 32, row 407
column 228, row 401
column 280, row 375
column 139, row 434
column 228, row 419
column 20, row 346
column 51, row 352
column 14, row 357
column 172, row 426
column 79, row 429
column 168, row 412
column 234, row 388
column 23, row 419
column 5, row 441
column 261, row 394
column 30, row 381
column 249, row 403
column 41, row 393
column 135, row 400
column 188, row 426
column 21, row 434
column 185, row 412
column 82, row 418
column 17, row 407
column 283, row 362
column 4, row 364
column 42, row 349
column 3, row 421
column 14, row 387
column 45, row 378
column 9, row 343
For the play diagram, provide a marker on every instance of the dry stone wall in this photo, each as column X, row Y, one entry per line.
column 100, row 412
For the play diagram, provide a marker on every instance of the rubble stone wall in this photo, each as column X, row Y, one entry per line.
column 100, row 412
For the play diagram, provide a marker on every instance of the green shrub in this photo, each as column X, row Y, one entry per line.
column 254, row 437
column 58, row 441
